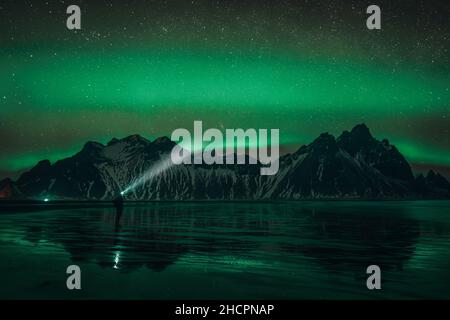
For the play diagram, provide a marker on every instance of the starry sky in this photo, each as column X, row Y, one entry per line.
column 149, row 67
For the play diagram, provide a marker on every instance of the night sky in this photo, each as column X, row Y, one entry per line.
column 149, row 67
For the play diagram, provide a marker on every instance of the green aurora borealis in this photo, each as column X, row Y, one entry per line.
column 151, row 70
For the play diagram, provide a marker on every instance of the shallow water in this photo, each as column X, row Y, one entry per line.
column 286, row 250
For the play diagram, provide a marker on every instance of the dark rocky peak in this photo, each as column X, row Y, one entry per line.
column 437, row 180
column 132, row 139
column 163, row 141
column 42, row 168
column 91, row 151
column 431, row 175
column 361, row 131
column 357, row 139
column 324, row 138
column 112, row 141
column 135, row 138
column 325, row 143
column 303, row 149
column 92, row 146
column 344, row 135
column 386, row 143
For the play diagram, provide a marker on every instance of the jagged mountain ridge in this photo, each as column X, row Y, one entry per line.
column 355, row 165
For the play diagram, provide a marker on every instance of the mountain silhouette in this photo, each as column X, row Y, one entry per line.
column 354, row 165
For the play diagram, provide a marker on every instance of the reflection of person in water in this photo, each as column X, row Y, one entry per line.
column 118, row 204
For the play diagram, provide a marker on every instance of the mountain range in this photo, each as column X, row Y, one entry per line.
column 354, row 165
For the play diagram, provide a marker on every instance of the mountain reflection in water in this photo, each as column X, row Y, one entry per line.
column 304, row 249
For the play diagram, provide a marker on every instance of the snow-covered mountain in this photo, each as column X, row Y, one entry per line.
column 355, row 165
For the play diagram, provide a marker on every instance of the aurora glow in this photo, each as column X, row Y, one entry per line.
column 303, row 68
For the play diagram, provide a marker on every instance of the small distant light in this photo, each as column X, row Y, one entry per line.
column 46, row 200
column 122, row 193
